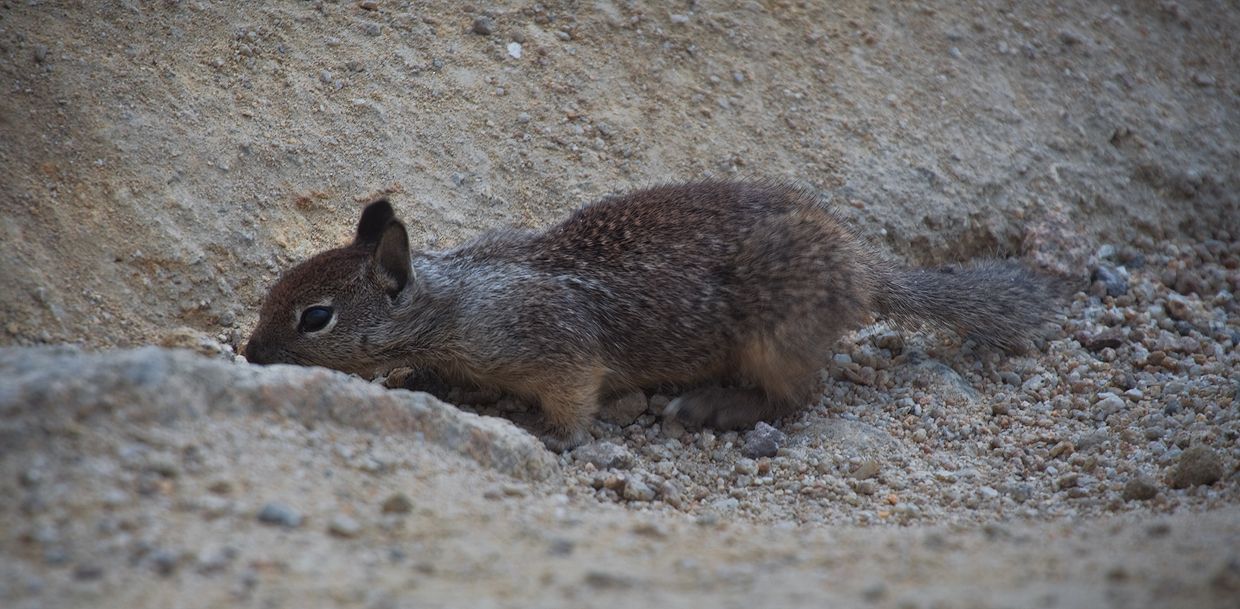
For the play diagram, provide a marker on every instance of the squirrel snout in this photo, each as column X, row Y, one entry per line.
column 256, row 352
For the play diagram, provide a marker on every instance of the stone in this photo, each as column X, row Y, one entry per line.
column 484, row 26
column 604, row 455
column 61, row 384
column 763, row 441
column 343, row 525
column 1139, row 489
column 1178, row 308
column 279, row 513
column 397, row 504
column 637, row 490
column 1198, row 465
column 868, row 469
column 1114, row 281
column 1111, row 338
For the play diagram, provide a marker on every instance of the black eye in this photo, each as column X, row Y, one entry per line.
column 314, row 319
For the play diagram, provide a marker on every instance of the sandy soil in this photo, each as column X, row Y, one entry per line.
column 161, row 162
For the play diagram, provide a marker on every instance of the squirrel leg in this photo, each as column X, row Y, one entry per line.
column 782, row 380
column 568, row 405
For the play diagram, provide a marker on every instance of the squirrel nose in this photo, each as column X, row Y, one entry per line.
column 257, row 353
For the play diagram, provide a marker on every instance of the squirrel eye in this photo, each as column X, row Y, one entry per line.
column 314, row 319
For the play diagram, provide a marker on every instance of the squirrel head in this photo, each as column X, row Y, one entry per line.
column 335, row 308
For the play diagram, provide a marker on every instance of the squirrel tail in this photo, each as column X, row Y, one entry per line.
column 996, row 303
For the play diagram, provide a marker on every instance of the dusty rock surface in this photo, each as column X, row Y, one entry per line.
column 160, row 163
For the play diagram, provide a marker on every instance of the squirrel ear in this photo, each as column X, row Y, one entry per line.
column 375, row 219
column 392, row 257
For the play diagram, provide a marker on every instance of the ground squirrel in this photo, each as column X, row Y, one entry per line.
column 749, row 283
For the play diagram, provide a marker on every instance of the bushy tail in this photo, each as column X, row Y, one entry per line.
column 997, row 303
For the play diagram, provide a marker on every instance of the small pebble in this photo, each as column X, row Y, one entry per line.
column 604, row 455
column 281, row 514
column 164, row 561
column 636, row 490
column 484, row 26
column 763, row 441
column 1114, row 282
column 868, row 469
column 1178, row 307
column 87, row 572
column 342, row 525
column 1139, row 489
column 397, row 504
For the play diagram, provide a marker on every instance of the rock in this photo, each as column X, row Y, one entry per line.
column 1139, row 489
column 624, row 410
column 40, row 53
column 637, row 490
column 1178, row 308
column 1198, row 465
column 514, row 50
column 1069, row 37
column 1111, row 338
column 281, row 514
column 397, row 504
column 849, row 437
column 484, row 26
column 87, row 571
column 342, row 525
column 1113, row 280
column 939, row 379
column 372, row 29
column 763, row 441
column 868, row 469
column 1019, row 492
column 215, row 559
column 604, row 455
column 164, row 561
column 1108, row 403
column 59, row 384
column 747, row 467
column 607, row 581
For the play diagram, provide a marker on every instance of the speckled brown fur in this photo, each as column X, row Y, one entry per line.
column 685, row 284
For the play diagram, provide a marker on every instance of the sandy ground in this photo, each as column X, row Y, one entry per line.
column 162, row 162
